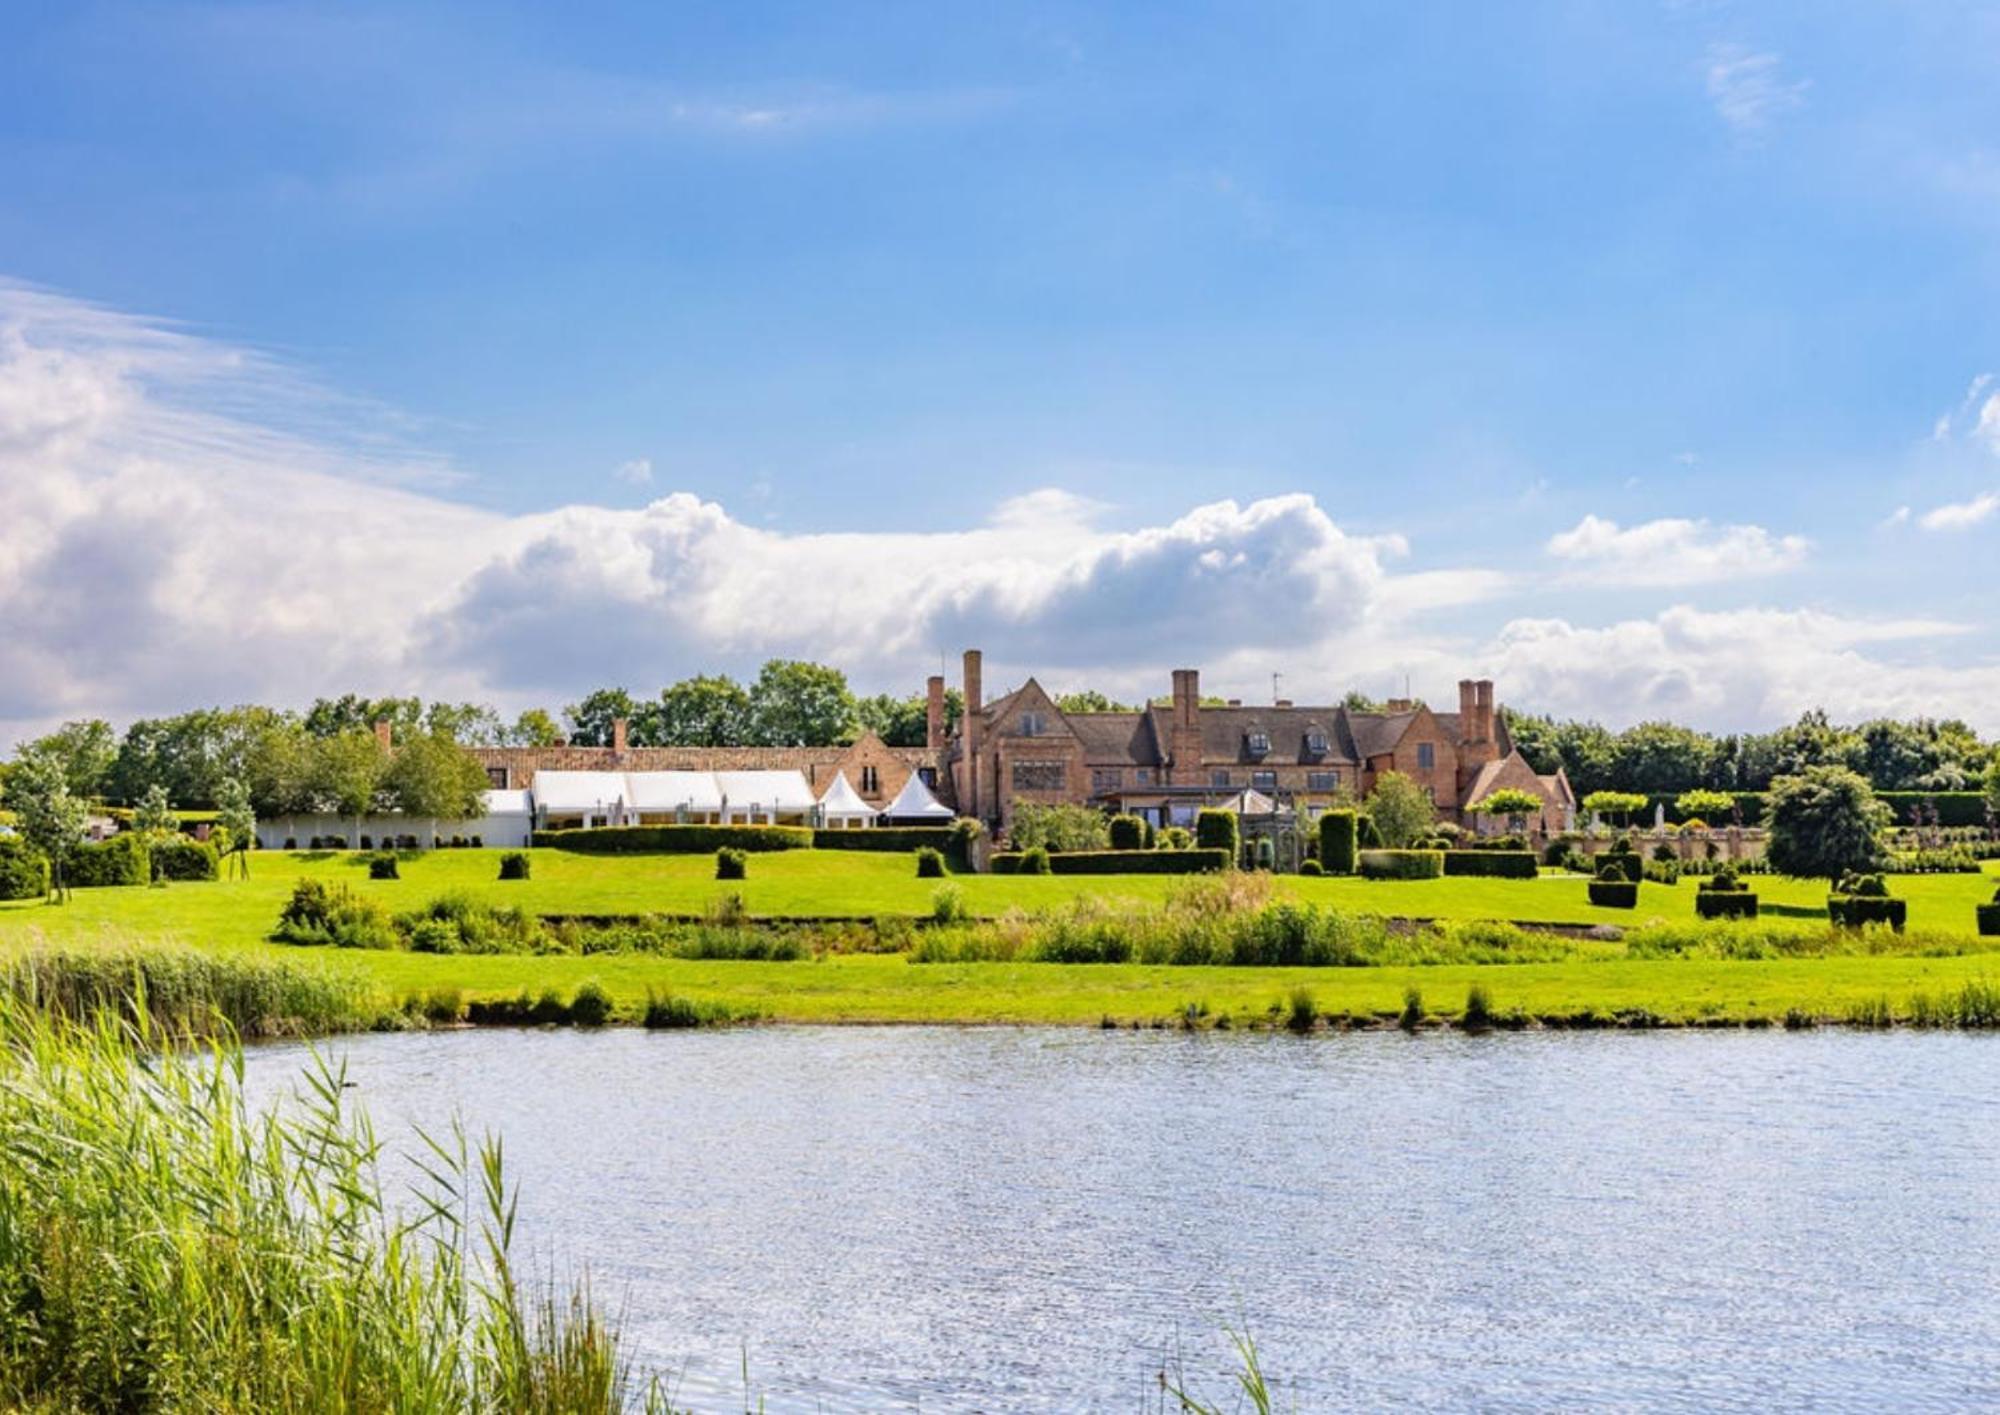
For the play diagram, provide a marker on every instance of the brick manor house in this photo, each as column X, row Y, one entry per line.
column 1163, row 762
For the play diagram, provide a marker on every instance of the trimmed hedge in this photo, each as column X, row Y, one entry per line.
column 1614, row 893
column 1725, row 904
column 1339, row 842
column 1851, row 911
column 1116, row 862
column 1954, row 808
column 930, row 863
column 1628, row 863
column 383, row 867
column 1492, row 864
column 515, row 865
column 24, row 874
column 179, row 858
column 1401, row 864
column 892, row 839
column 1218, row 830
column 1128, row 832
column 731, row 863
column 1989, row 920
column 676, row 839
column 123, row 859
column 1311, row 868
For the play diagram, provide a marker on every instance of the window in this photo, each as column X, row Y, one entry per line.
column 1322, row 781
column 1427, row 756
column 496, row 777
column 1264, row 780
column 871, row 781
column 1143, row 775
column 1106, row 779
column 1038, row 776
column 928, row 775
column 1259, row 742
column 1218, row 778
column 1033, row 724
column 1316, row 743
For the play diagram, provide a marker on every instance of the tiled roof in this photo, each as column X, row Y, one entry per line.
column 1124, row 738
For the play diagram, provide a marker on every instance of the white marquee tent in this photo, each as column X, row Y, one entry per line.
column 842, row 807
column 916, row 803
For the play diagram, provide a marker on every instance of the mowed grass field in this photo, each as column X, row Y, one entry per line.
column 238, row 914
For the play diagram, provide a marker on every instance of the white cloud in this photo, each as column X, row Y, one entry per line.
column 1960, row 515
column 1747, row 88
column 1673, row 552
column 637, row 472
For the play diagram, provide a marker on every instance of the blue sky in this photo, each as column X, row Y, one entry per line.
column 1474, row 280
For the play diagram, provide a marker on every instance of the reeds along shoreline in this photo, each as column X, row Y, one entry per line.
column 163, row 1248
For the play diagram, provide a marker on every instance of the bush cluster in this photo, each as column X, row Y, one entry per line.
column 123, row 859
column 24, row 874
column 1110, row 862
column 1401, row 864
column 515, row 864
column 384, row 866
column 176, row 857
column 676, row 839
column 1492, row 864
column 732, row 863
column 930, row 863
column 333, row 914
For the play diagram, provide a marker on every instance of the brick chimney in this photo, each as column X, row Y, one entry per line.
column 1477, row 743
column 934, row 713
column 970, row 803
column 383, row 738
column 619, row 729
column 1184, row 736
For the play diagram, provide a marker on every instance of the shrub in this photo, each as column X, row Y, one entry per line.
column 123, row 859
column 1864, row 899
column 1413, row 1009
column 1610, row 891
column 1218, row 830
column 948, row 905
column 676, row 839
column 319, row 913
column 1824, row 822
column 515, row 865
column 1367, row 832
column 1174, row 837
column 1302, row 1011
column 1401, row 864
column 591, row 1007
column 549, row 1010
column 1665, row 853
column 383, row 867
column 1711, row 903
column 1128, row 833
column 1662, row 871
column 1478, row 1014
column 1112, row 862
column 1621, row 862
column 176, row 857
column 1989, row 917
column 24, row 874
column 1057, row 827
column 1561, row 852
column 731, row 863
column 1492, row 864
column 435, row 936
column 1035, row 861
column 1338, row 841
column 891, row 839
column 930, row 863
column 1311, row 868
column 1266, row 854
column 664, row 1011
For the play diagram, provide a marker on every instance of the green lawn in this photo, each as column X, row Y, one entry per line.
column 238, row 914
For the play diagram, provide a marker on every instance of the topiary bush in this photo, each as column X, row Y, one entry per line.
column 515, row 865
column 930, row 863
column 1625, row 863
column 384, row 866
column 1174, row 837
column 1035, row 861
column 1861, row 899
column 1614, row 891
column 676, row 839
column 123, row 859
column 176, row 857
column 1312, row 869
column 24, row 874
column 1989, row 917
column 1217, row 830
column 1114, row 862
column 1401, row 864
column 1492, row 864
column 1339, row 841
column 731, row 863
column 1367, row 832
column 1128, row 832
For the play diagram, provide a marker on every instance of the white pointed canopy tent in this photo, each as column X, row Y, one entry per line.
column 916, row 803
column 842, row 807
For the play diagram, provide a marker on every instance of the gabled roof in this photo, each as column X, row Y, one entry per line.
column 842, row 802
column 1115, row 738
column 915, row 802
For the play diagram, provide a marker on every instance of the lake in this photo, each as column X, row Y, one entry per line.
column 1040, row 1219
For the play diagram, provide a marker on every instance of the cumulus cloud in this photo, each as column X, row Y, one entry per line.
column 1960, row 515
column 172, row 539
column 1673, row 552
column 637, row 472
column 1748, row 89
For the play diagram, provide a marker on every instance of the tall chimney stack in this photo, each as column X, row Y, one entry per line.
column 1468, row 710
column 972, row 734
column 934, row 713
column 383, row 737
column 619, row 727
column 1185, row 736
column 1488, row 732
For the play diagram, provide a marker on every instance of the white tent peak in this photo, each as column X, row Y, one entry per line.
column 915, row 802
column 842, row 803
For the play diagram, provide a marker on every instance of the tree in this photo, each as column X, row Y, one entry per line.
column 1401, row 810
column 83, row 750
column 1089, row 700
column 432, row 777
column 49, row 817
column 347, row 772
column 350, row 712
column 1512, row 802
column 235, row 816
column 1622, row 804
column 468, row 724
column 1823, row 822
column 1657, row 757
column 533, row 728
column 1703, row 804
column 1057, row 828
column 696, row 712
column 799, row 704
column 590, row 720
column 155, row 815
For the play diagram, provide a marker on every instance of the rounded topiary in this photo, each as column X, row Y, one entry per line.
column 930, row 863
column 383, row 867
column 1311, row 868
column 514, row 865
column 731, row 863
column 1128, row 833
column 1035, row 861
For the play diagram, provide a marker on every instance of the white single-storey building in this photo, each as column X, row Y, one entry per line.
column 579, row 799
column 506, row 822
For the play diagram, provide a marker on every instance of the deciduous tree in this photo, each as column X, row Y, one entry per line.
column 1823, row 822
column 1401, row 810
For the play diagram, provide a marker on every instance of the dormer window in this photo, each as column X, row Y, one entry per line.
column 1316, row 742
column 1258, row 742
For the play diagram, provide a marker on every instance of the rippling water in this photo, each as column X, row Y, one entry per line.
column 999, row 1219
